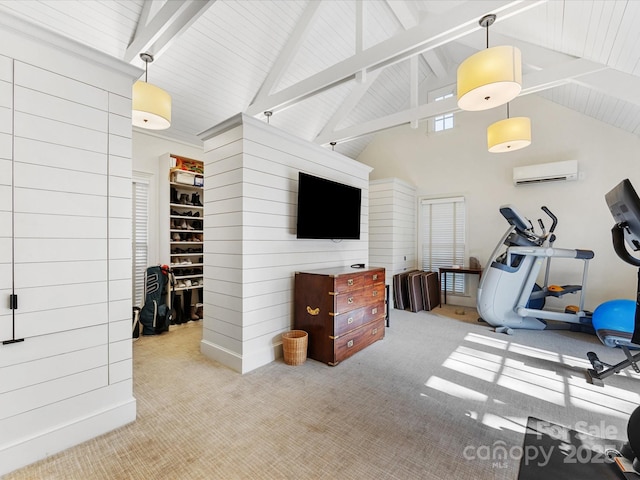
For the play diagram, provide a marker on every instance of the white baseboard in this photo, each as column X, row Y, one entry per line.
column 49, row 442
column 240, row 363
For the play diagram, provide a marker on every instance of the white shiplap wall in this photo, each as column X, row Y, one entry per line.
column 251, row 250
column 392, row 225
column 66, row 233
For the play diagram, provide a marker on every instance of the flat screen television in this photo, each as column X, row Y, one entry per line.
column 327, row 209
column 624, row 205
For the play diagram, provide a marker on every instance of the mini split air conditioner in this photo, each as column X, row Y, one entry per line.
column 546, row 172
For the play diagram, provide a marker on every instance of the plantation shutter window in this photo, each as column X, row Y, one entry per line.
column 140, row 237
column 443, row 236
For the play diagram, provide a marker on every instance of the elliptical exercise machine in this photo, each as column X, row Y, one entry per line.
column 617, row 322
column 508, row 296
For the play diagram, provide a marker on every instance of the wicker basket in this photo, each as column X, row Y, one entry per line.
column 294, row 347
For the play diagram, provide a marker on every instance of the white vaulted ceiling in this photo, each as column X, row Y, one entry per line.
column 341, row 70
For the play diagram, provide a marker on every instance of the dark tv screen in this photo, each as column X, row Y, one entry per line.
column 327, row 209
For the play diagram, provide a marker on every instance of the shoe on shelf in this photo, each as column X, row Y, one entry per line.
column 175, row 213
column 188, row 214
column 172, row 225
column 181, row 284
column 174, row 196
column 196, row 214
column 183, row 225
column 187, row 283
column 176, row 237
column 184, row 199
column 195, row 200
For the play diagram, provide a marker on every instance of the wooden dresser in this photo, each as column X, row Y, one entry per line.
column 342, row 309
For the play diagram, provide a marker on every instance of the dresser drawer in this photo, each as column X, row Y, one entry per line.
column 373, row 276
column 346, row 302
column 349, row 282
column 358, row 339
column 346, row 322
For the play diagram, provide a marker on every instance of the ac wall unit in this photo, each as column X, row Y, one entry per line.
column 546, row 172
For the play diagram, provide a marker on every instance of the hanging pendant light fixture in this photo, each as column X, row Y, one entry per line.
column 151, row 104
column 491, row 77
column 509, row 135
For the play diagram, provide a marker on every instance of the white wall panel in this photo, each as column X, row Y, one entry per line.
column 56, row 179
column 6, row 148
column 32, row 373
column 120, row 166
column 120, row 371
column 55, row 203
column 120, row 248
column 26, row 425
column 32, row 250
column 120, row 187
column 48, row 321
column 45, row 81
column 121, row 105
column 250, row 200
column 119, row 268
column 37, row 396
column 120, row 227
column 120, row 289
column 53, row 297
column 40, row 274
column 6, row 68
column 54, row 385
column 121, row 330
column 119, row 351
column 119, row 207
column 120, row 145
column 61, row 156
column 32, row 225
column 52, row 131
column 55, row 344
column 119, row 310
column 59, row 109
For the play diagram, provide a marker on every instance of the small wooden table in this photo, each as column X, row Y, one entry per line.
column 456, row 269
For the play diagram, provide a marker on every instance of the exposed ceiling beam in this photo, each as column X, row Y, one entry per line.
column 288, row 53
column 531, row 83
column 156, row 35
column 352, row 100
column 426, row 36
column 408, row 16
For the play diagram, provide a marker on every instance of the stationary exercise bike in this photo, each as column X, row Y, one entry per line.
column 508, row 295
column 617, row 322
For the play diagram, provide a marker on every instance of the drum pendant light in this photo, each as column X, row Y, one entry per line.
column 491, row 77
column 509, row 135
column 151, row 104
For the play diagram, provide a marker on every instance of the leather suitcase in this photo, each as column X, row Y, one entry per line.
column 401, row 290
column 430, row 284
column 414, row 287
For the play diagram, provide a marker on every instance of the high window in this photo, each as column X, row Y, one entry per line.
column 443, row 122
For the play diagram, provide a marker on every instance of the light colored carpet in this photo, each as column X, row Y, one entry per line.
column 430, row 401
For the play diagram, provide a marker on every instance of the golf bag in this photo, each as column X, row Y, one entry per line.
column 155, row 316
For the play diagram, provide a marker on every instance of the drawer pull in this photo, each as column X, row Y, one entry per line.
column 374, row 331
column 374, row 293
column 349, row 320
column 374, row 311
column 313, row 311
column 375, row 276
column 350, row 282
column 350, row 300
column 350, row 344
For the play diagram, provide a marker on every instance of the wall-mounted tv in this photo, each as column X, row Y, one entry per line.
column 327, row 209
